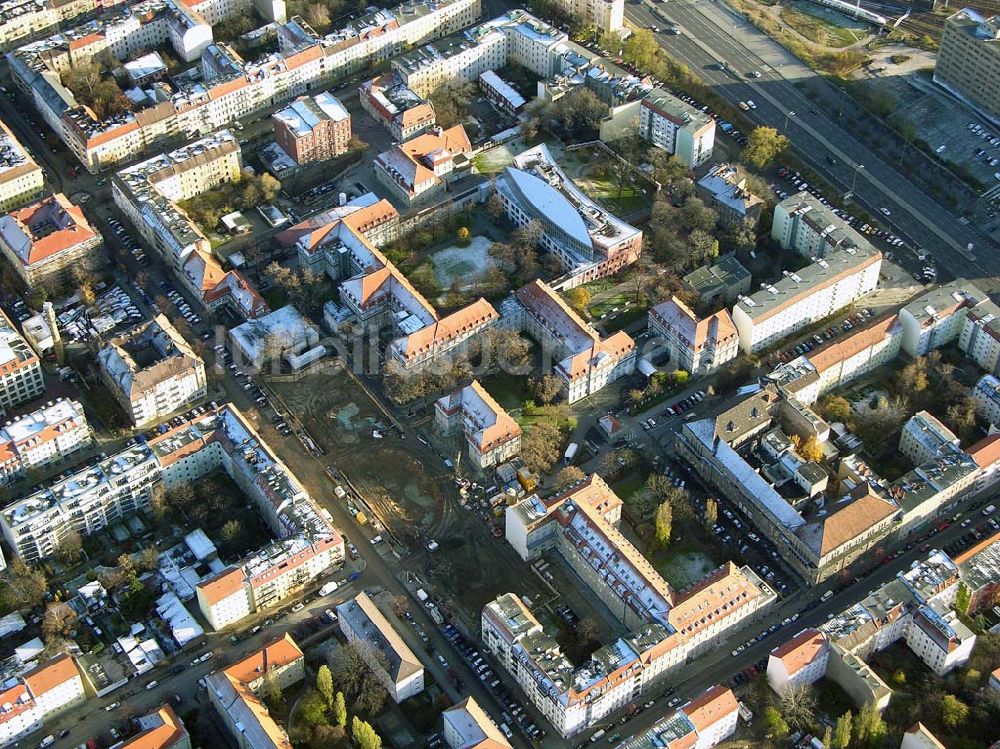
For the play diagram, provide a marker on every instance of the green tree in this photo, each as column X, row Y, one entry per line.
column 324, row 684
column 364, row 735
column 312, row 708
column 579, row 299
column 340, row 710
column 962, row 598
column 776, row 725
column 842, row 731
column 640, row 48
column 827, row 737
column 711, row 511
column 836, row 408
column 764, row 146
column 664, row 524
column 953, row 711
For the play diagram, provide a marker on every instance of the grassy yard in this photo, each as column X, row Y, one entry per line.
column 621, row 201
column 510, row 391
column 625, row 319
column 818, row 30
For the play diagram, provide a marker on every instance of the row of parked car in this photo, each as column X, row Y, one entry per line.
column 513, row 711
column 823, row 336
column 126, row 239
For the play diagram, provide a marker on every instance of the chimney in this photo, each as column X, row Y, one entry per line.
column 49, row 312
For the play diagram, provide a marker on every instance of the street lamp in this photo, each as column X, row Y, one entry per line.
column 790, row 113
column 854, row 181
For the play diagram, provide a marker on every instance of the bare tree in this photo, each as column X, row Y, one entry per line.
column 798, row 705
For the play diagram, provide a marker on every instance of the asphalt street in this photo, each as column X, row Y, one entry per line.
column 714, row 34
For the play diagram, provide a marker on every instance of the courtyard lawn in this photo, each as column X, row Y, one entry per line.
column 469, row 263
column 626, row 318
column 620, row 202
column 683, row 562
column 510, row 391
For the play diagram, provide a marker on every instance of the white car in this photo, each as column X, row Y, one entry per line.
column 744, row 106
column 940, row 148
column 751, row 104
column 885, row 211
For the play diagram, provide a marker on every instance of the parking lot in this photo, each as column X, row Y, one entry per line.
column 828, row 335
column 952, row 131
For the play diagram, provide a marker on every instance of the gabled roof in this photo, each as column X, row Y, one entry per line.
column 279, row 653
column 45, row 228
column 800, row 651
column 844, row 348
column 51, row 674
column 714, row 329
column 161, row 729
column 853, row 520
column 474, row 726
column 222, row 585
column 471, row 317
column 711, row 706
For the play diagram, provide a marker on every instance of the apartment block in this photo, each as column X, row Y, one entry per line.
column 802, row 298
column 923, row 438
column 937, row 317
column 148, row 193
column 968, row 62
column 21, row 179
column 979, row 338
column 20, row 19
column 319, row 240
column 707, row 720
column 20, row 369
column 677, row 127
column 417, row 172
column 87, row 501
column 53, row 433
column 492, row 436
column 396, row 107
column 583, row 361
column 306, row 545
column 856, row 354
column 395, row 665
column 313, row 128
column 914, row 607
column 237, row 693
column 56, row 685
column 798, row 661
column 42, row 242
column 152, row 371
column 588, row 241
column 516, row 36
column 160, row 729
column 606, row 15
column 374, row 295
column 724, row 188
column 467, row 726
column 919, row 736
column 668, row 627
column 696, row 346
column 803, row 224
column 979, row 570
column 230, row 88
column 814, row 544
